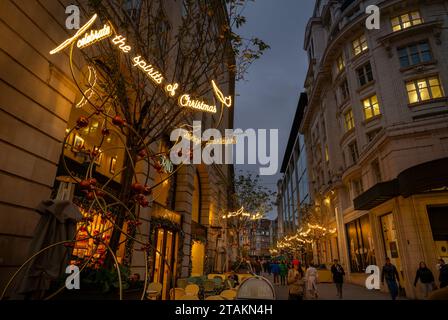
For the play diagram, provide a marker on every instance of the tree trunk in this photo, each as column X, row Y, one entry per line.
column 127, row 178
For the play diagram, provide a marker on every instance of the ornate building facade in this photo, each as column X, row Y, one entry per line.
column 38, row 102
column 376, row 132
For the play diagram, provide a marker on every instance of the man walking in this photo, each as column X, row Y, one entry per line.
column 338, row 276
column 390, row 273
column 443, row 275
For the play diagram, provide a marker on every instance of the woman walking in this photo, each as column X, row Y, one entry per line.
column 426, row 278
column 295, row 283
column 312, row 277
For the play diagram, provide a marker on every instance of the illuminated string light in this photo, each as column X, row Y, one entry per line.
column 79, row 33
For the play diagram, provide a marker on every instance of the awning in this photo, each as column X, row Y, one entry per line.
column 420, row 178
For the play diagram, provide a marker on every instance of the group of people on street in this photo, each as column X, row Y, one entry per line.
column 301, row 284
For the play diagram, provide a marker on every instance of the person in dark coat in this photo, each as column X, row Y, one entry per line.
column 338, row 276
column 426, row 278
column 443, row 275
column 390, row 274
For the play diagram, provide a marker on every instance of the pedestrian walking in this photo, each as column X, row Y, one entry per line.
column 275, row 269
column 268, row 266
column 257, row 267
column 312, row 277
column 424, row 274
column 443, row 275
column 390, row 274
column 338, row 276
column 283, row 272
column 295, row 283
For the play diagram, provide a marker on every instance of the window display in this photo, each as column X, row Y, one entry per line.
column 360, row 244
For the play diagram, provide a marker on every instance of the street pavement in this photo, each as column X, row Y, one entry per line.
column 327, row 291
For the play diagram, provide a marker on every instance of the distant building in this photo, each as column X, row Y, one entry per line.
column 293, row 187
column 376, row 133
column 260, row 239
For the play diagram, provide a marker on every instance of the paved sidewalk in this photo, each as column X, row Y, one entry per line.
column 327, row 291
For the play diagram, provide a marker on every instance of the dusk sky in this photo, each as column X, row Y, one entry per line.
column 269, row 96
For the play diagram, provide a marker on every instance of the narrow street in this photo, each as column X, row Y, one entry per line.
column 327, row 291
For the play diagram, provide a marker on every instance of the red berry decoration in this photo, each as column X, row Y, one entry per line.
column 82, row 122
column 137, row 187
column 92, row 181
column 100, row 193
column 118, row 121
column 142, row 153
column 90, row 196
column 84, row 184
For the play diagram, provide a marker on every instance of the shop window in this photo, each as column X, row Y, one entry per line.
column 365, row 74
column 371, row 107
column 424, row 89
column 359, row 45
column 349, row 122
column 360, row 244
column 406, row 20
column 414, row 54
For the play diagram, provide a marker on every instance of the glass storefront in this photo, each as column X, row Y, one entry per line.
column 360, row 244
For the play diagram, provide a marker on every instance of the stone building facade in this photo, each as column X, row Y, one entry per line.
column 376, row 133
column 37, row 105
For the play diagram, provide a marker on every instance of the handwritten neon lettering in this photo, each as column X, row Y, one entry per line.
column 171, row 89
column 94, row 36
column 153, row 74
column 79, row 33
column 227, row 101
column 121, row 42
column 186, row 101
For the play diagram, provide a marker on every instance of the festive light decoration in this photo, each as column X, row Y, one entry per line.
column 186, row 101
column 171, row 89
column 94, row 36
column 89, row 92
column 227, row 101
column 152, row 73
column 241, row 213
column 78, row 34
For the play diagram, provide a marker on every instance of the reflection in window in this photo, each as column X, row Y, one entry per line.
column 414, row 54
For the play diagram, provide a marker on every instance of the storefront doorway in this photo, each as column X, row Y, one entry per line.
column 165, row 262
column 390, row 241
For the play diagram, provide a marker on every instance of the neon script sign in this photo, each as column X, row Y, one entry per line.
column 184, row 100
